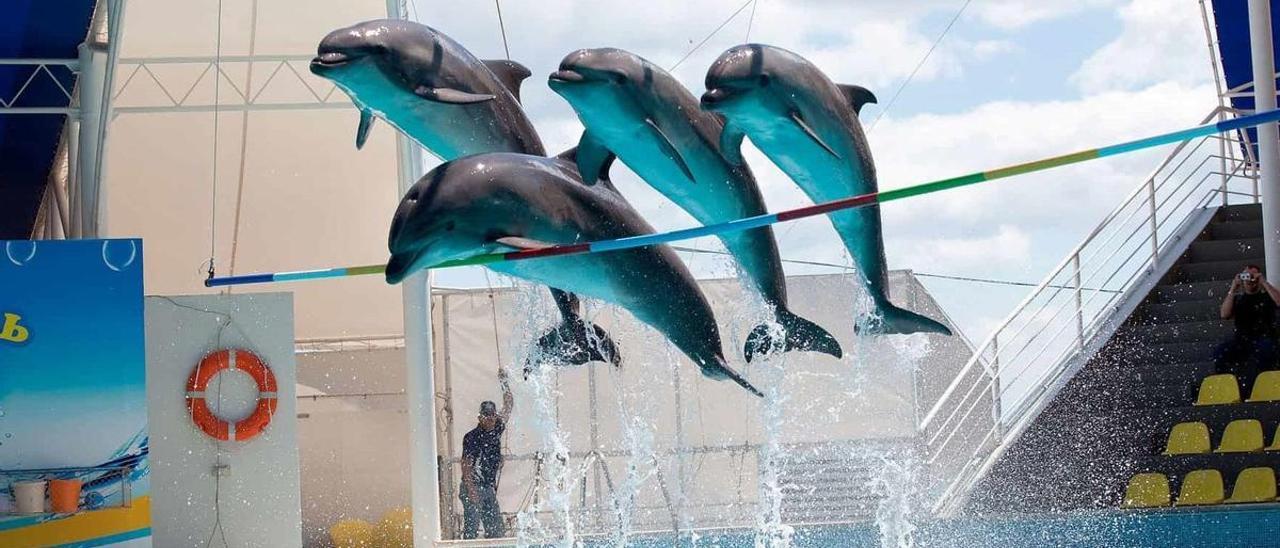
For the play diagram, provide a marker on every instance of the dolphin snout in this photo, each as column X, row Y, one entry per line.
column 566, row 75
column 714, row 97
column 329, row 60
column 400, row 266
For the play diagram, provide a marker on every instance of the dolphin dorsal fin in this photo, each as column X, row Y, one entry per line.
column 857, row 96
column 592, row 160
column 510, row 73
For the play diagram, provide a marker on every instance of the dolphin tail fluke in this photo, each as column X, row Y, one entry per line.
column 800, row 335
column 575, row 341
column 898, row 321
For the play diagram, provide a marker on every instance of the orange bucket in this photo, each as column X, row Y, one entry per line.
column 64, row 495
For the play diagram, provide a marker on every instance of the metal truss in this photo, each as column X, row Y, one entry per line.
column 41, row 71
column 282, row 70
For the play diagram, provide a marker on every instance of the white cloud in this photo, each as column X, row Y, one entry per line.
column 1161, row 41
column 1013, row 14
column 956, row 253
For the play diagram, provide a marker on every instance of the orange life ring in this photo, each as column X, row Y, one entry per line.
column 224, row 360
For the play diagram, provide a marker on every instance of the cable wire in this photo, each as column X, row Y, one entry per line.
column 894, row 99
column 914, row 273
column 213, row 202
column 709, row 36
column 503, row 28
column 752, row 20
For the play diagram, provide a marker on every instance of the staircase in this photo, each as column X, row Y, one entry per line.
column 1111, row 420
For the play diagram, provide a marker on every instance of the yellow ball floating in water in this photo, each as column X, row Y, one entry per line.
column 352, row 533
column 396, row 529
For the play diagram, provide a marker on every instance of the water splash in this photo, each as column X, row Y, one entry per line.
column 772, row 531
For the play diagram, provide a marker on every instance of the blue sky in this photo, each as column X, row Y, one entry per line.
column 1014, row 80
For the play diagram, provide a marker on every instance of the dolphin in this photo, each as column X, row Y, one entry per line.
column 429, row 87
column 501, row 202
column 637, row 111
column 808, row 126
column 436, row 92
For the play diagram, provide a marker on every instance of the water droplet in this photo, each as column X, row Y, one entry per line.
column 8, row 435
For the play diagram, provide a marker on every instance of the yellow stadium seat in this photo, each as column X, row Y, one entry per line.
column 1254, row 485
column 1219, row 390
column 1242, row 436
column 395, row 530
column 1275, row 442
column 1201, row 488
column 1266, row 387
column 1188, row 438
column 352, row 533
column 1148, row 490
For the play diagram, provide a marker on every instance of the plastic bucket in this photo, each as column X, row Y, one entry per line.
column 64, row 495
column 28, row 496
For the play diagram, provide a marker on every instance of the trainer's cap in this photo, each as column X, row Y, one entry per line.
column 488, row 408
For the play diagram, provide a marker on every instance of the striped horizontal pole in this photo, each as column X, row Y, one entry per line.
column 767, row 219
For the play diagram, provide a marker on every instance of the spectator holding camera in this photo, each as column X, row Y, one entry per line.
column 1251, row 303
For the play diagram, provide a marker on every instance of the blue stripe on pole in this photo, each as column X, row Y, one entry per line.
column 695, row 232
column 240, row 280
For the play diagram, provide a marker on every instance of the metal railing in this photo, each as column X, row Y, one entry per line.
column 1060, row 324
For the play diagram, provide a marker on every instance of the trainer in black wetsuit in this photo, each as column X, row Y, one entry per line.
column 482, row 467
column 1251, row 302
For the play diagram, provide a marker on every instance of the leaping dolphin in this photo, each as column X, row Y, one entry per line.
column 429, row 87
column 501, row 202
column 808, row 126
column 436, row 92
column 636, row 110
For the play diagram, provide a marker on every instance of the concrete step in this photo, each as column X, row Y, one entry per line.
column 1211, row 290
column 1246, row 250
column 1232, row 230
column 1184, row 311
column 1138, row 354
column 1248, row 212
column 1209, row 332
column 1194, row 272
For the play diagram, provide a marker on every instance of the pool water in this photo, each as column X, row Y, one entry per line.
column 1255, row 526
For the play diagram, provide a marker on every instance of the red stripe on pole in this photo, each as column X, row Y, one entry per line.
column 548, row 251
column 828, row 207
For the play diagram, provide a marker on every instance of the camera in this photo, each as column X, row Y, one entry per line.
column 1246, row 277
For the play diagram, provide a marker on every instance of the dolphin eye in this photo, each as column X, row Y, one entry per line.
column 763, row 80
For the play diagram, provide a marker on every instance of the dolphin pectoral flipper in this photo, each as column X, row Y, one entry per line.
column 857, row 96
column 593, row 158
column 510, row 73
column 798, row 334
column 669, row 148
column 799, row 120
column 451, row 96
column 731, row 144
column 362, row 131
column 523, row 243
column 899, row 321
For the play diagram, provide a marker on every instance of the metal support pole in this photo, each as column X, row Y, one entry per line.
column 1264, row 92
column 92, row 78
column 424, row 477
